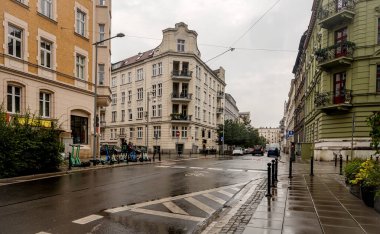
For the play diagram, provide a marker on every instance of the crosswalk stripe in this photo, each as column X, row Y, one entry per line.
column 236, row 189
column 88, row 219
column 225, row 193
column 163, row 166
column 214, row 198
column 43, row 233
column 234, row 170
column 200, row 205
column 215, row 169
column 179, row 167
column 117, row 209
column 196, row 167
column 170, row 215
column 174, row 208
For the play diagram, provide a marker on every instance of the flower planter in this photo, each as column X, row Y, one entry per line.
column 355, row 190
column 368, row 195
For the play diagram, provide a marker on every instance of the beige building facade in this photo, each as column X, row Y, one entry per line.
column 231, row 111
column 46, row 63
column 272, row 135
column 166, row 98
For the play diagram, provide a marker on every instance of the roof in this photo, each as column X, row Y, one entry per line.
column 134, row 59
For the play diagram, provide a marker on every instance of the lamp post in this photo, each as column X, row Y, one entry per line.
column 147, row 120
column 96, row 92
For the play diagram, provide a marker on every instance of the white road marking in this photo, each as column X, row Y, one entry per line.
column 236, row 189
column 170, row 215
column 179, row 167
column 234, row 170
column 200, row 205
column 117, row 209
column 196, row 168
column 214, row 198
column 215, row 169
column 174, row 208
column 88, row 219
column 43, row 233
column 225, row 193
column 163, row 166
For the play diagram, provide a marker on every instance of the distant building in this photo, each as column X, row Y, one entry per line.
column 272, row 135
column 166, row 98
column 47, row 65
column 231, row 112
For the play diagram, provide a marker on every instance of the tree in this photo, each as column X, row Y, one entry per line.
column 374, row 122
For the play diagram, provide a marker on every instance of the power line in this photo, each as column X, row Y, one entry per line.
column 254, row 24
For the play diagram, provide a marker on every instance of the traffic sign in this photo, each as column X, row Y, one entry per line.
column 290, row 133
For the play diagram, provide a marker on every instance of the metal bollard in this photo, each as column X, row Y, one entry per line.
column 377, row 158
column 190, row 154
column 269, row 183
column 371, row 157
column 70, row 164
column 340, row 165
column 154, row 156
column 159, row 156
column 312, row 166
column 290, row 168
column 273, row 171
column 335, row 159
column 276, row 171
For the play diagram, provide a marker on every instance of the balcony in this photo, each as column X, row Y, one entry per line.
column 182, row 97
column 182, row 75
column 335, row 56
column 104, row 96
column 330, row 102
column 220, row 94
column 103, row 124
column 336, row 12
column 219, row 110
column 180, row 118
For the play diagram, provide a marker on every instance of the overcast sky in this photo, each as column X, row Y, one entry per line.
column 258, row 80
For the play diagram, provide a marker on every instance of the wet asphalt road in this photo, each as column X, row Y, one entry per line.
column 58, row 204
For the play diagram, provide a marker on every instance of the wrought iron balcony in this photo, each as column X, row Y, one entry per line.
column 219, row 110
column 180, row 117
column 333, row 101
column 220, row 94
column 338, row 55
column 181, row 96
column 184, row 74
column 336, row 12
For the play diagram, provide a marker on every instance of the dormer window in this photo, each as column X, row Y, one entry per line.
column 180, row 45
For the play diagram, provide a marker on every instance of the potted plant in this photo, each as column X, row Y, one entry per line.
column 350, row 171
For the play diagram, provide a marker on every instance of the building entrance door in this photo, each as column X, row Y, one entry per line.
column 339, row 87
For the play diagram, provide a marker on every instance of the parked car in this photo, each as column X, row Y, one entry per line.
column 273, row 151
column 258, row 149
column 237, row 151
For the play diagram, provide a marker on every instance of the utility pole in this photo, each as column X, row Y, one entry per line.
column 352, row 134
column 147, row 122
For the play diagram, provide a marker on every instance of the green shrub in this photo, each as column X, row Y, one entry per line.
column 26, row 147
column 352, row 168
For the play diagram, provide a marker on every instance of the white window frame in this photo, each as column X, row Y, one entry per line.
column 13, row 96
column 122, row 79
column 102, row 2
column 184, row 132
column 154, row 90
column 140, row 112
column 140, row 74
column 131, row 131
column 157, row 132
column 159, row 68
column 154, row 69
column 15, row 40
column 129, row 77
column 46, row 53
column 46, row 8
column 114, row 116
column 114, row 81
column 180, row 45
column 114, row 99
column 45, row 102
column 154, row 111
column 159, row 90
column 140, row 93
column 129, row 95
column 130, row 115
column 140, row 133
column 122, row 97
column 102, row 33
column 159, row 110
column 81, row 24
column 101, row 73
column 174, row 131
column 80, row 64
column 122, row 116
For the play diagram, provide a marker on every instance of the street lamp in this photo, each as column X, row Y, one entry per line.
column 96, row 91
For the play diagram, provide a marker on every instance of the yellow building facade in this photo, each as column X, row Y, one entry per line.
column 47, row 66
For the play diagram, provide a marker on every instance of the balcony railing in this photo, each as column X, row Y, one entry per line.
column 180, row 117
column 219, row 110
column 339, row 54
column 182, row 96
column 336, row 12
column 333, row 100
column 220, row 94
column 182, row 74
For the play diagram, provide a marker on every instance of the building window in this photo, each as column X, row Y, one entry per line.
column 79, row 129
column 80, row 66
column 140, row 132
column 180, row 45
column 114, row 99
column 154, row 111
column 129, row 77
column 378, row 79
column 13, row 99
column 129, row 95
column 101, row 33
column 47, row 8
column 159, row 110
column 14, row 41
column 378, row 31
column 196, row 133
column 81, row 23
column 209, row 134
column 154, row 90
column 131, row 131
column 122, row 97
column 159, row 68
column 184, row 132
column 174, row 131
column 114, row 115
column 45, row 53
column 197, row 71
column 130, row 114
column 157, row 132
column 45, row 104
column 122, row 79
column 122, row 116
column 101, row 74
column 102, row 2
column 140, row 94
column 159, row 90
column 140, row 113
column 114, row 81
column 154, row 68
column 140, row 75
